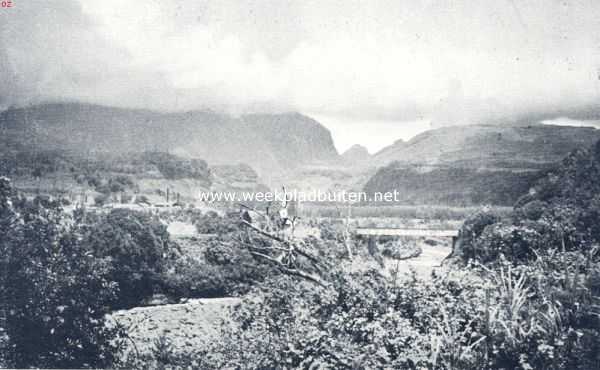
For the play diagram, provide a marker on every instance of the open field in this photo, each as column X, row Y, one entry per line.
column 426, row 212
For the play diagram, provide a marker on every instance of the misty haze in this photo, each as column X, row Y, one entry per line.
column 300, row 184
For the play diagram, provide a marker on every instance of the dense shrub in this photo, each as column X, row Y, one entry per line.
column 101, row 199
column 137, row 246
column 213, row 223
column 532, row 210
column 187, row 277
column 55, row 293
column 530, row 317
column 561, row 211
column 331, row 230
column 471, row 229
column 532, row 304
column 224, row 270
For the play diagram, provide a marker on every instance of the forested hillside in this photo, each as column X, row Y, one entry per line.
column 479, row 164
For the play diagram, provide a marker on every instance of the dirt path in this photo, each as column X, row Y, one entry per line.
column 187, row 325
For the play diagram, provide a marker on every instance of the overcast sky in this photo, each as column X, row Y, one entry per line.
column 372, row 71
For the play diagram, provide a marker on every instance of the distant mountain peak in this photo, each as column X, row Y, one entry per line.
column 356, row 148
column 356, row 153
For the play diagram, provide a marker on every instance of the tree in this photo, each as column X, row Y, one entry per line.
column 137, row 247
column 55, row 293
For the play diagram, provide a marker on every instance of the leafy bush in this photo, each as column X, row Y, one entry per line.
column 55, row 293
column 137, row 246
column 213, row 223
column 360, row 322
column 101, row 199
column 190, row 278
column 528, row 298
column 532, row 210
column 225, row 269
column 331, row 230
column 561, row 211
column 472, row 228
column 506, row 318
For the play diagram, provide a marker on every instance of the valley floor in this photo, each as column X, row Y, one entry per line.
column 190, row 324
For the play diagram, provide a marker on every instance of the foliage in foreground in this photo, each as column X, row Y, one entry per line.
column 138, row 248
column 61, row 275
column 529, row 301
column 561, row 211
column 54, row 291
column 224, row 269
column 527, row 317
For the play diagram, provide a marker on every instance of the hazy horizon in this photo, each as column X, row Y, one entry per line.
column 373, row 72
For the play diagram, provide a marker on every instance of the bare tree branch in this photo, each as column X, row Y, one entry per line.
column 291, row 271
column 290, row 251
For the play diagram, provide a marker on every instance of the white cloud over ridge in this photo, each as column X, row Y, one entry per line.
column 447, row 62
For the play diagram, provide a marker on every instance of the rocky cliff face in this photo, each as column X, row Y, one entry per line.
column 268, row 143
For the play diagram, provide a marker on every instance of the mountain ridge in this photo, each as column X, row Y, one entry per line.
column 485, row 144
column 261, row 141
column 476, row 164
